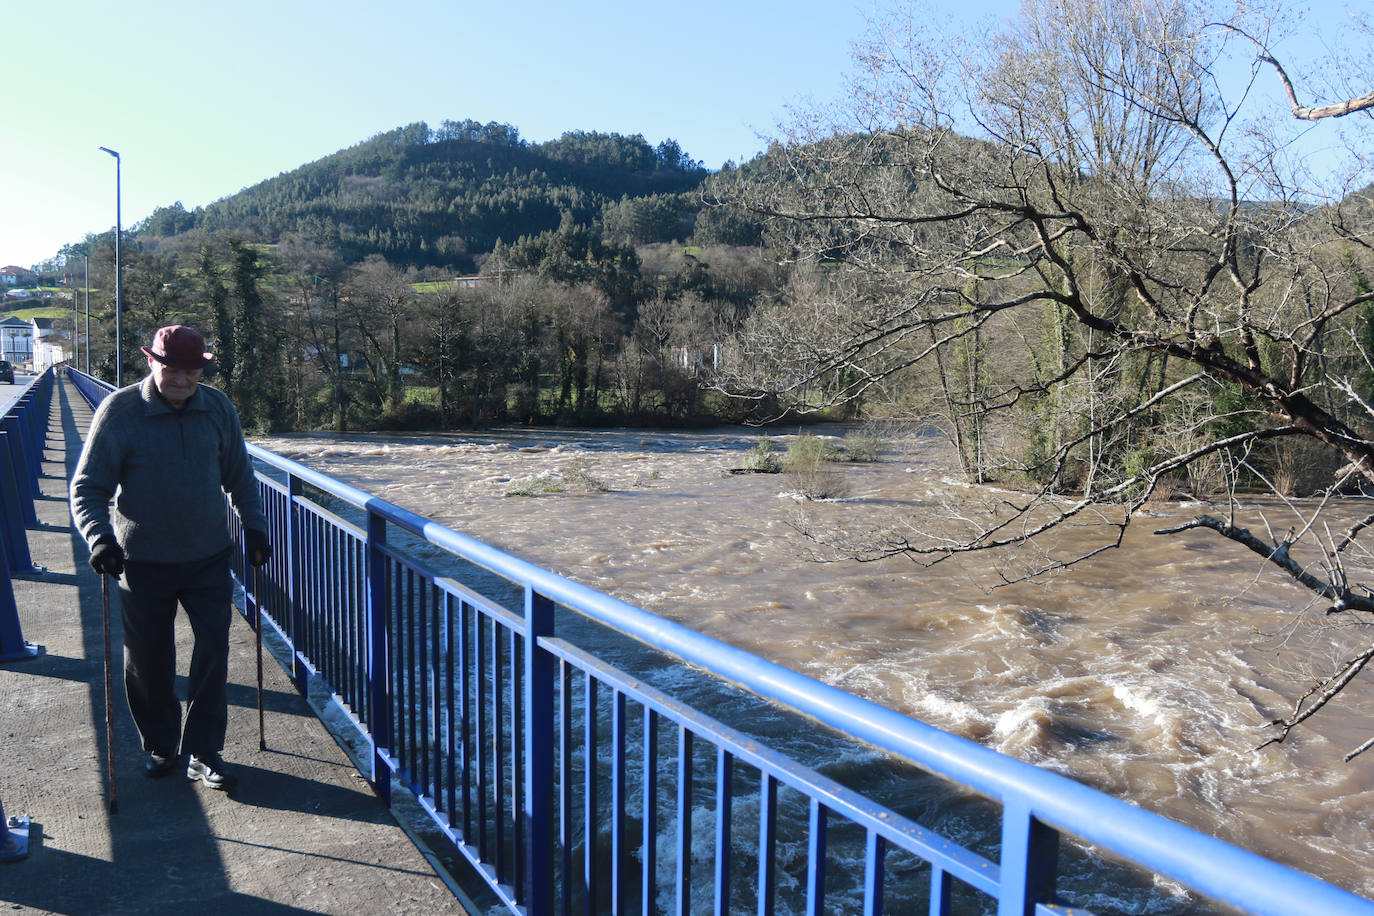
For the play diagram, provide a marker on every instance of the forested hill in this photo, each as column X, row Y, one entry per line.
column 421, row 197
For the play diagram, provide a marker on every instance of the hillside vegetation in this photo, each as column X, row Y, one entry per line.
column 420, row 197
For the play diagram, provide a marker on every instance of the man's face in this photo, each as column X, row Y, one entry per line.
column 176, row 385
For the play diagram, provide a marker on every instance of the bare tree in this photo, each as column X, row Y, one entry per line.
column 383, row 300
column 1095, row 194
column 317, row 313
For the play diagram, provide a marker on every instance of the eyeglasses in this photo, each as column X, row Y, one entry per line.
column 183, row 373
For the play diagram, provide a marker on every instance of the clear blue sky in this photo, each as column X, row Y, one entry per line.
column 204, row 99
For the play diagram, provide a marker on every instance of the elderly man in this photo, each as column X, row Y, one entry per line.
column 166, row 450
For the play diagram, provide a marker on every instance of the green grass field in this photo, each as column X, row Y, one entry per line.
column 37, row 311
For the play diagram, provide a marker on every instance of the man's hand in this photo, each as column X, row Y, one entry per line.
column 259, row 551
column 107, row 557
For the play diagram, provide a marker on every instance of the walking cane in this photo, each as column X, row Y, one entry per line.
column 257, row 599
column 109, row 693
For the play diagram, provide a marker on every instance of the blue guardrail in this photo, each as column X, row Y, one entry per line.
column 585, row 755
column 23, row 435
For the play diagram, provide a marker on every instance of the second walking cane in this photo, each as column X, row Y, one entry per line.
column 109, row 693
column 257, row 606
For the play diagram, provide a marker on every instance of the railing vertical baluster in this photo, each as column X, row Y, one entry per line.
column 517, row 759
column 377, row 662
column 295, row 581
column 565, row 782
column 768, row 843
column 443, row 700
column 725, row 799
column 451, row 708
column 414, row 673
column 815, row 860
column 395, row 662
column 333, row 648
column 649, row 843
column 875, row 849
column 344, row 638
column 684, row 821
column 1030, row 858
column 357, row 576
column 940, row 891
column 539, row 670
column 591, row 761
column 465, row 723
column 619, row 854
column 311, row 601
column 498, row 751
column 479, row 645
column 402, row 660
column 422, row 673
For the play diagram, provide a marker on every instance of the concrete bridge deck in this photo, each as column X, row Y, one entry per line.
column 302, row 833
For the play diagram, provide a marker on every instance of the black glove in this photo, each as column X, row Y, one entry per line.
column 259, row 551
column 107, row 557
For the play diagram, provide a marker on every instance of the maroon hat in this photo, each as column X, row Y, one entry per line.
column 179, row 347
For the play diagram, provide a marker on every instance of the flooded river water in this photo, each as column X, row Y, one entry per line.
column 1147, row 672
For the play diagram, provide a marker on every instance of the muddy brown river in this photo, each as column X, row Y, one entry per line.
column 1147, row 672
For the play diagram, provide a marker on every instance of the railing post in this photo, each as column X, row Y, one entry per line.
column 38, row 404
column 294, row 601
column 14, row 549
column 14, row 837
column 1030, row 860
column 20, row 461
column 12, row 644
column 14, row 557
column 34, row 441
column 378, row 655
column 540, row 675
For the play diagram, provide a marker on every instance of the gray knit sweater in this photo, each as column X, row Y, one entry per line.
column 167, row 472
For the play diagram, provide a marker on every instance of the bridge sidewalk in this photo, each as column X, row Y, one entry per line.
column 302, row 833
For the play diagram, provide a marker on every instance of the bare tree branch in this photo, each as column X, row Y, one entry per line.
column 1278, row 554
column 1300, row 111
column 1325, row 691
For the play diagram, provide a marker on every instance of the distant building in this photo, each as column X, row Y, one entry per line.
column 16, row 340
column 52, row 342
column 13, row 276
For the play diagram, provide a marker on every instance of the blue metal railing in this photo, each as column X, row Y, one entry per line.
column 23, row 434
column 523, row 712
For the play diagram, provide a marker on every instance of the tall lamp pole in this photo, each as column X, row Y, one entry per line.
column 119, row 298
column 74, row 360
column 88, row 311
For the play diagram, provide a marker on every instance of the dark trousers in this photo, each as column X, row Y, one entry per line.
column 148, row 596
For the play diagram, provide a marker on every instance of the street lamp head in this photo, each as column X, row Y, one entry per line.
column 119, row 298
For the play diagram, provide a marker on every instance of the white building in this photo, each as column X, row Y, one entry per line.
column 16, row 340
column 51, row 345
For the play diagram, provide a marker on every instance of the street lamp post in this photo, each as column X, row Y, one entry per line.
column 119, row 299
column 74, row 359
column 88, row 311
